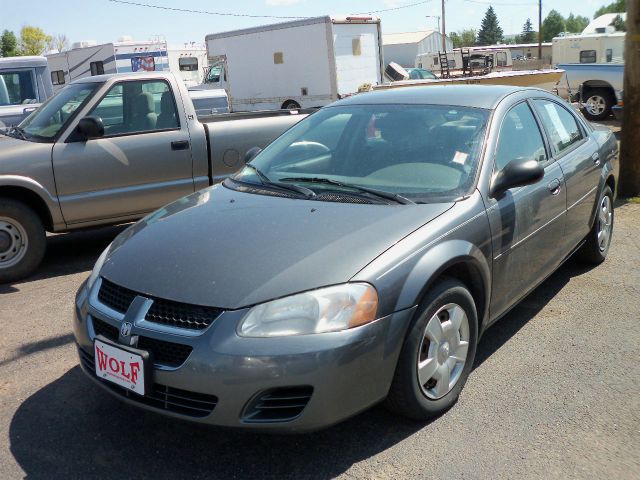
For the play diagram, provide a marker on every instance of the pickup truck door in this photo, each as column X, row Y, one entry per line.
column 577, row 154
column 142, row 162
column 528, row 222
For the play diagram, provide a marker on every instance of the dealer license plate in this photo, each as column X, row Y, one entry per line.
column 119, row 366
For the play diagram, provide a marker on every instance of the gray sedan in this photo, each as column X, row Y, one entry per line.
column 357, row 259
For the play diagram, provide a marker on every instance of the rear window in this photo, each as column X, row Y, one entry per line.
column 188, row 64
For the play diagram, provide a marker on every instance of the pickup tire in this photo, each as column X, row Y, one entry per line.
column 22, row 240
column 597, row 103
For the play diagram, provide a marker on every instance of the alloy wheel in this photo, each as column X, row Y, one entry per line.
column 605, row 218
column 596, row 105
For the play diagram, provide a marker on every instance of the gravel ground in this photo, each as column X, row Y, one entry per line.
column 554, row 394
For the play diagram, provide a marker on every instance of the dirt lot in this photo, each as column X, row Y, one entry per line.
column 554, row 394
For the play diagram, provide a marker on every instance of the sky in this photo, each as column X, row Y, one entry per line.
column 106, row 21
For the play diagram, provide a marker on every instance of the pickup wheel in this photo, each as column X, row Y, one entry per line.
column 597, row 103
column 437, row 354
column 598, row 240
column 22, row 240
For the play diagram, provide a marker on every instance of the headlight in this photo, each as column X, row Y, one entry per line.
column 97, row 267
column 318, row 311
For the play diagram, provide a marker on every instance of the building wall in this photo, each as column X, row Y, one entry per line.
column 405, row 53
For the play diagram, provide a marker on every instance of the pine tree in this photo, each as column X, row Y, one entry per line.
column 490, row 32
column 528, row 35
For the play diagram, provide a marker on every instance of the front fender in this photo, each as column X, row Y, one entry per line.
column 17, row 183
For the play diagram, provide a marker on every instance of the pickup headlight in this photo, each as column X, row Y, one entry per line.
column 97, row 267
column 325, row 310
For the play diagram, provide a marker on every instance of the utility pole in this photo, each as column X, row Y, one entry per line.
column 629, row 183
column 539, row 34
column 444, row 32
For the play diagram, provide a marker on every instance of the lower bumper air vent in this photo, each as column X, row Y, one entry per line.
column 278, row 405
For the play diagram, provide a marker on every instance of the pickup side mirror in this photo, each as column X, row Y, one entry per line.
column 251, row 154
column 90, row 127
column 516, row 173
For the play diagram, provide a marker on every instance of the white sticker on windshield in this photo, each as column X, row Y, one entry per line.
column 557, row 123
column 460, row 157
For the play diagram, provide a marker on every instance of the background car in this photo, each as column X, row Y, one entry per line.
column 421, row 74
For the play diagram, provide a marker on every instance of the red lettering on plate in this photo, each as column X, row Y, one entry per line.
column 116, row 368
column 135, row 368
column 102, row 359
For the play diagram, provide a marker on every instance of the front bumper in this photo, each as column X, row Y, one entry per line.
column 225, row 375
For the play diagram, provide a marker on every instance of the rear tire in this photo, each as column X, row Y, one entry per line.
column 437, row 354
column 598, row 241
column 598, row 103
column 290, row 105
column 22, row 240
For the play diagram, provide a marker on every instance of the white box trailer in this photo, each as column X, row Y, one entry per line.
column 189, row 63
column 298, row 64
column 87, row 58
column 588, row 48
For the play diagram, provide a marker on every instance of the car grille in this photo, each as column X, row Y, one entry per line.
column 164, row 353
column 171, row 399
column 164, row 312
column 278, row 405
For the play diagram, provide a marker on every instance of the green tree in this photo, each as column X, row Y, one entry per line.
column 618, row 6
column 527, row 35
column 576, row 23
column 33, row 40
column 490, row 32
column 552, row 26
column 8, row 44
column 619, row 24
column 464, row 38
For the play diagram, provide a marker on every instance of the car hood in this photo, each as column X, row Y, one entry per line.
column 229, row 249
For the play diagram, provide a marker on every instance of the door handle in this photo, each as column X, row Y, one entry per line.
column 180, row 145
column 596, row 159
column 554, row 187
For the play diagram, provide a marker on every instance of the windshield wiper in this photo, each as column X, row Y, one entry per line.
column 16, row 132
column 372, row 191
column 264, row 180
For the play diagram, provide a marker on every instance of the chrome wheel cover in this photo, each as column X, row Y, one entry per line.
column 596, row 105
column 443, row 351
column 605, row 223
column 13, row 242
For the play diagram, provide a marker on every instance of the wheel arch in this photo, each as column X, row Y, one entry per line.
column 32, row 199
column 592, row 84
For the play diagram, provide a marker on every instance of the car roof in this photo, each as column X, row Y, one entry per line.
column 477, row 96
column 132, row 75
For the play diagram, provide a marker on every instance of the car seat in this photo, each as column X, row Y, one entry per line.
column 143, row 115
column 167, row 117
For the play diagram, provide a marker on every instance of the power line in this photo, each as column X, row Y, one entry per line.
column 206, row 12
column 394, row 8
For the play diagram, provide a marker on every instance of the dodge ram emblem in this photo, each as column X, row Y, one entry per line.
column 125, row 329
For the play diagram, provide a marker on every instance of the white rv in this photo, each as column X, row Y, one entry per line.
column 589, row 48
column 500, row 58
column 87, row 58
column 189, row 63
column 303, row 63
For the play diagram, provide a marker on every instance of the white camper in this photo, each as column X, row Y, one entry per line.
column 87, row 58
column 189, row 62
column 500, row 58
column 303, row 63
column 589, row 48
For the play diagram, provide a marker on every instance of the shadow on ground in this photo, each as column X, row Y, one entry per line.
column 72, row 429
column 70, row 253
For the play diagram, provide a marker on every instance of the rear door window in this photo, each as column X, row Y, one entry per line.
column 561, row 126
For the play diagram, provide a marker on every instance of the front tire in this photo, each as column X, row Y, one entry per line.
column 598, row 240
column 22, row 240
column 437, row 354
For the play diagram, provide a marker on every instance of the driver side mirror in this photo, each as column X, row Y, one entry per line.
column 90, row 127
column 517, row 173
column 251, row 154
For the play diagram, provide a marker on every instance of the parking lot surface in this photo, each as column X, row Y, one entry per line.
column 554, row 393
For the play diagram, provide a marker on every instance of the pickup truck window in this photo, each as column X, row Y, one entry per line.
column 561, row 125
column 135, row 107
column 45, row 123
column 17, row 88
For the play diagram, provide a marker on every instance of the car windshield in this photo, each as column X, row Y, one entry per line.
column 425, row 153
column 45, row 123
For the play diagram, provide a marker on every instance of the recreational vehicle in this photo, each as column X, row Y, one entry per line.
column 302, row 63
column 499, row 58
column 87, row 59
column 188, row 63
column 589, row 48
